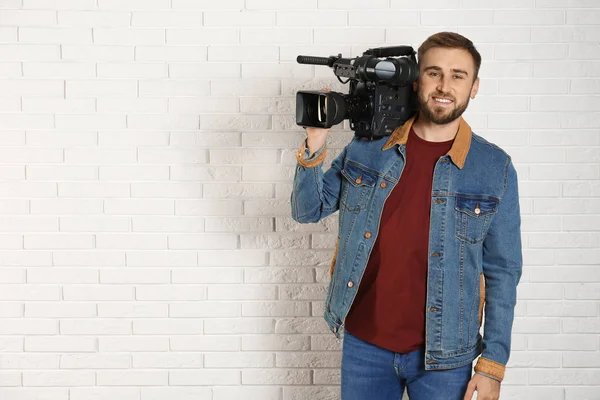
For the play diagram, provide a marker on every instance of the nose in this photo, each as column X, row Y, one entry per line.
column 444, row 84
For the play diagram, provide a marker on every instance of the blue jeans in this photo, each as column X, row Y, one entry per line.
column 370, row 372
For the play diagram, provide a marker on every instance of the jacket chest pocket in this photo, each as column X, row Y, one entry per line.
column 356, row 187
column 473, row 217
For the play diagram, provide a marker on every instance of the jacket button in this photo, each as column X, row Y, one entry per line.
column 368, row 235
column 382, row 185
column 335, row 329
column 435, row 254
column 431, row 361
column 350, row 284
column 434, row 309
column 358, row 180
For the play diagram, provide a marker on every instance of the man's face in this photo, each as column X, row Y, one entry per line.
column 445, row 84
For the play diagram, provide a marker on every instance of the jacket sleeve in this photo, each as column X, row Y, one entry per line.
column 315, row 194
column 502, row 268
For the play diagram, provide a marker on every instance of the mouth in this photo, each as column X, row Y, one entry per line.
column 442, row 100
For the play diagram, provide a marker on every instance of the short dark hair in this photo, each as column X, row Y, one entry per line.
column 451, row 40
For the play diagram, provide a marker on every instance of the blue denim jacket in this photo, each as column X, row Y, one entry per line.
column 475, row 256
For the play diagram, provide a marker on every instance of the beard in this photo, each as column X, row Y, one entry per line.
column 441, row 115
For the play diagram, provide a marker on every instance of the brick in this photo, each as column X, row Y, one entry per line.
column 129, row 378
column 86, row 121
column 207, row 208
column 100, row 88
column 205, row 241
column 239, row 326
column 60, row 4
column 311, row 18
column 214, row 70
column 278, row 275
column 204, row 309
column 187, row 326
column 135, row 138
column 171, row 293
column 180, row 393
column 170, row 53
column 30, row 327
column 91, row 155
column 162, row 121
column 171, row 361
column 243, row 53
column 134, row 173
column 458, row 17
column 174, row 88
column 29, row 52
column 529, row 17
column 133, row 310
column 133, row 344
column 131, row 241
column 134, row 71
column 205, row 343
column 189, row 106
column 164, row 224
column 166, row 19
column 61, row 275
column 55, row 344
column 97, row 53
column 57, row 35
column 276, row 309
column 171, row 258
column 207, row 377
column 166, row 189
column 133, row 276
column 66, row 206
column 204, row 36
column 242, row 224
column 27, row 17
column 243, row 360
column 128, row 36
column 62, row 106
column 95, row 327
column 278, row 376
column 97, row 293
column 134, row 4
column 59, row 378
column 96, row 18
column 275, row 36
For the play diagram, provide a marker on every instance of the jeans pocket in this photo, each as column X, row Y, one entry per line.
column 357, row 187
column 473, row 216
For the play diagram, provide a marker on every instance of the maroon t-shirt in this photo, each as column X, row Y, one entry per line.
column 389, row 308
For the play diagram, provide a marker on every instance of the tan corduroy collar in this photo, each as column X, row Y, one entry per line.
column 459, row 150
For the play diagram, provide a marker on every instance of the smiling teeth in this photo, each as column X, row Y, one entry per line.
column 442, row 100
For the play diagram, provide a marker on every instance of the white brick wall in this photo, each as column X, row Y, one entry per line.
column 146, row 154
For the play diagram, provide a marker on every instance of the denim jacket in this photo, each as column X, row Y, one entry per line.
column 474, row 255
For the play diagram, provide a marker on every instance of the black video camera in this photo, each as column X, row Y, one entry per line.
column 380, row 98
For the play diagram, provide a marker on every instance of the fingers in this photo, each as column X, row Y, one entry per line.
column 470, row 390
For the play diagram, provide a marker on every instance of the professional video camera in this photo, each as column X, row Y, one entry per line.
column 380, row 98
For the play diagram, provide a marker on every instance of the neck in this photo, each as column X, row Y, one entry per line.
column 431, row 132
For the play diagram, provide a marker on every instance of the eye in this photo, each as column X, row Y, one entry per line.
column 458, row 76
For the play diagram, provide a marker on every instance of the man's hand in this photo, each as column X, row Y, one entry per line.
column 487, row 388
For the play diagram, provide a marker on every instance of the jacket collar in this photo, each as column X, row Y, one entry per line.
column 459, row 150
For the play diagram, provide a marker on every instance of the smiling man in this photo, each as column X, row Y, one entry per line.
column 429, row 238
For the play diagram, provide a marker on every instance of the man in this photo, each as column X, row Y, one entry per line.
column 429, row 238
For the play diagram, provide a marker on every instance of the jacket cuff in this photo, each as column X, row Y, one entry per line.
column 490, row 368
column 312, row 162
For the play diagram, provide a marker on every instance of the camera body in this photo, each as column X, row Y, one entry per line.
column 380, row 96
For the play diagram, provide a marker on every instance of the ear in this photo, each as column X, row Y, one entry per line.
column 474, row 88
column 415, row 85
